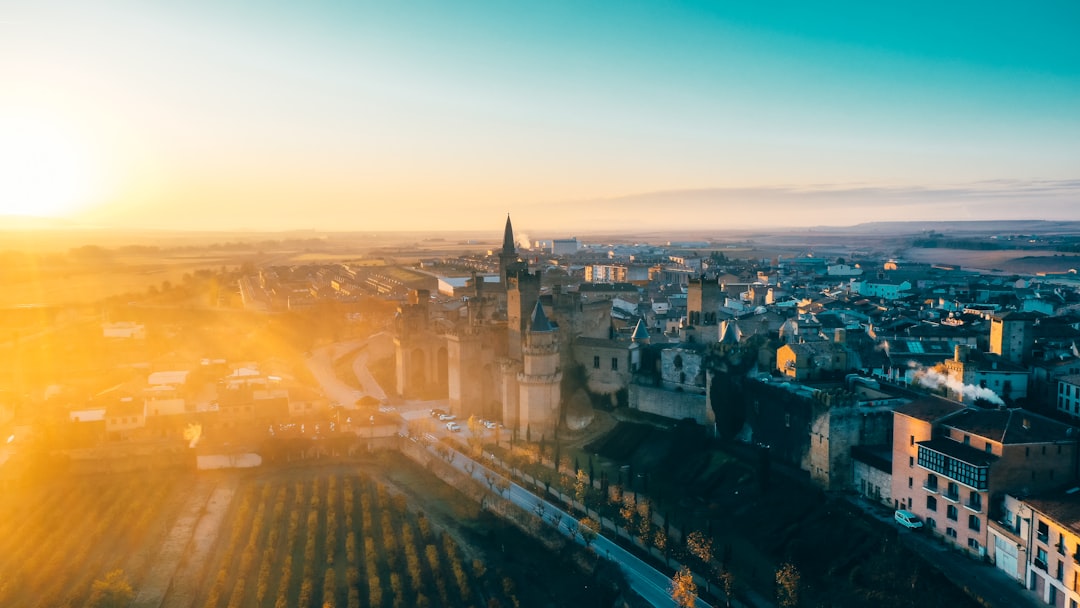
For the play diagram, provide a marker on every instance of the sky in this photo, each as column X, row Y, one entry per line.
column 398, row 115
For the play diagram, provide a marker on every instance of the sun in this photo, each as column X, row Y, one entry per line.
column 44, row 171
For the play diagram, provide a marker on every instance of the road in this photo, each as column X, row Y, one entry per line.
column 648, row 582
column 995, row 588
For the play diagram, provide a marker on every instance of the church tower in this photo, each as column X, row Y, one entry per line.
column 539, row 378
column 509, row 263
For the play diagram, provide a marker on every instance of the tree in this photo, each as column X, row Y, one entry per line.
column 588, row 529
column 787, row 586
column 113, row 592
column 683, row 588
column 580, row 487
column 727, row 583
column 700, row 546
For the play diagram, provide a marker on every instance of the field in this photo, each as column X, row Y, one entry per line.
column 367, row 534
column 1004, row 260
column 56, row 540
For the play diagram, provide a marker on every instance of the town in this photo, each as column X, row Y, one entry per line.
column 817, row 418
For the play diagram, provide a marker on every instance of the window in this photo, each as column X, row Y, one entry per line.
column 974, row 523
column 1060, row 571
column 968, row 474
column 952, row 513
column 614, row 363
column 931, row 482
column 912, row 440
column 931, row 503
column 1040, row 558
column 910, row 482
column 596, row 362
column 989, row 448
column 910, row 461
column 967, row 439
column 953, row 491
column 950, row 532
column 1043, row 532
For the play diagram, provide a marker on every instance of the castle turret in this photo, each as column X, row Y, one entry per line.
column 539, row 378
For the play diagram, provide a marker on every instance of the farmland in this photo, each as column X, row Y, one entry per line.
column 368, row 534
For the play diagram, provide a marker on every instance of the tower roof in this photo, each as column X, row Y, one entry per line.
column 640, row 333
column 539, row 321
column 508, row 237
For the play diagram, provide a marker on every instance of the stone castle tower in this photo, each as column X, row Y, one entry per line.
column 539, row 377
column 502, row 359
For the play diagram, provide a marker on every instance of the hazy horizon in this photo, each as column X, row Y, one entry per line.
column 426, row 116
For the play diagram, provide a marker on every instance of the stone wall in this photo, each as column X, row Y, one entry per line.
column 676, row 405
column 872, row 483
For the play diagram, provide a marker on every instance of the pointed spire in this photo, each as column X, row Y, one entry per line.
column 539, row 321
column 640, row 333
column 508, row 238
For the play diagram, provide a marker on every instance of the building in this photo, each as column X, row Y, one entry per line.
column 502, row 354
column 881, row 288
column 564, row 246
column 972, row 374
column 952, row 462
column 1036, row 541
column 1068, row 396
column 1012, row 335
column 812, row 360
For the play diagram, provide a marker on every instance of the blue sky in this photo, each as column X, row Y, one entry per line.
column 384, row 115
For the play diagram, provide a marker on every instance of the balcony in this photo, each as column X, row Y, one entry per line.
column 933, row 489
column 951, row 496
column 975, row 506
column 1040, row 564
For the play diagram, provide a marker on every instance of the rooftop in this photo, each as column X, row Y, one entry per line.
column 1061, row 506
column 1010, row 426
column 930, row 409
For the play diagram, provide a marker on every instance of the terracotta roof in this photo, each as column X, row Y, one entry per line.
column 930, row 409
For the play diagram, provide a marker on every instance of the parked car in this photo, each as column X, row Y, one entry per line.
column 908, row 519
column 453, row 427
column 447, row 417
column 489, row 424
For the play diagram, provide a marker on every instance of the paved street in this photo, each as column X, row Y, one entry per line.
column 983, row 580
column 648, row 582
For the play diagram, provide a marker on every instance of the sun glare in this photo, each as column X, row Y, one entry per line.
column 43, row 170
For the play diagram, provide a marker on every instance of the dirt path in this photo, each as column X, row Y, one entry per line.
column 153, row 589
column 189, row 546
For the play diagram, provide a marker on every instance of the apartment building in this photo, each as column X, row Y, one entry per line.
column 950, row 460
column 1036, row 540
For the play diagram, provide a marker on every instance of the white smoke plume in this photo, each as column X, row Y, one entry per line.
column 192, row 433
column 933, row 379
column 523, row 241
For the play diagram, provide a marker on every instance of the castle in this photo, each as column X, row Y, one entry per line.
column 503, row 355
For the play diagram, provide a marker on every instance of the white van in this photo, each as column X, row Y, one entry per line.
column 908, row 519
column 453, row 427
